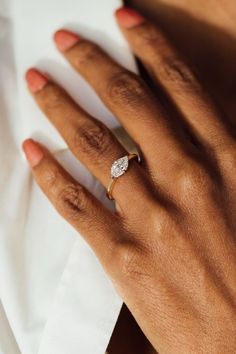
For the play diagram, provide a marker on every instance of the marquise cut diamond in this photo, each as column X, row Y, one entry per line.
column 119, row 167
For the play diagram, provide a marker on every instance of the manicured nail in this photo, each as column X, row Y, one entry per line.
column 33, row 152
column 36, row 80
column 65, row 39
column 128, row 18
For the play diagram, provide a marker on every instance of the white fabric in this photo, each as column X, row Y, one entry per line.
column 55, row 297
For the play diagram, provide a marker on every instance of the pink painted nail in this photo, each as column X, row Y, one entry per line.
column 36, row 80
column 65, row 39
column 128, row 18
column 33, row 152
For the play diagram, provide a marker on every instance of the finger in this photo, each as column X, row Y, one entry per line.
column 90, row 140
column 125, row 94
column 156, row 52
column 80, row 208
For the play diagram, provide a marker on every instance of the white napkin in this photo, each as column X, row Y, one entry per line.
column 55, row 296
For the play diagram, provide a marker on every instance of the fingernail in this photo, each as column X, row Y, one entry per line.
column 36, row 80
column 128, row 18
column 65, row 39
column 33, row 152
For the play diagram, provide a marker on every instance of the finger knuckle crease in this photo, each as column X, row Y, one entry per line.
column 50, row 178
column 175, row 70
column 89, row 53
column 126, row 87
column 52, row 99
column 93, row 138
column 72, row 200
column 127, row 260
column 153, row 39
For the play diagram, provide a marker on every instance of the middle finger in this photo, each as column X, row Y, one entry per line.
column 126, row 95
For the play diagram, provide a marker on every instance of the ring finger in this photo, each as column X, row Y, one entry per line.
column 89, row 140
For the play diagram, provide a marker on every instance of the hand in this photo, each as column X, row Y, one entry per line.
column 170, row 248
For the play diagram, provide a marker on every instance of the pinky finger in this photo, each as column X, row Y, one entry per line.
column 73, row 201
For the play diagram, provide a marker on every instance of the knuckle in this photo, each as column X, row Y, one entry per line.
column 51, row 98
column 152, row 38
column 126, row 87
column 88, row 53
column 159, row 219
column 126, row 259
column 92, row 139
column 161, row 222
column 130, row 261
column 194, row 180
column 72, row 200
column 50, row 178
column 171, row 67
column 176, row 71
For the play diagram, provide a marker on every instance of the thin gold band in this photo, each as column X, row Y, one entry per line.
column 113, row 180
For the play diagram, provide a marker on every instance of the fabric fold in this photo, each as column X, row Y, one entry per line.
column 54, row 293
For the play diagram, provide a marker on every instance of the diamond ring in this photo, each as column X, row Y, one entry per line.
column 118, row 168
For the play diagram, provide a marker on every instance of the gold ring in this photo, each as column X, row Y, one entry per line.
column 118, row 168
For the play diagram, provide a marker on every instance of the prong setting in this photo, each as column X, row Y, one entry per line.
column 119, row 167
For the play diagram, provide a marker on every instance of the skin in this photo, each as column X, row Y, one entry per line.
column 205, row 32
column 170, row 246
column 209, row 44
